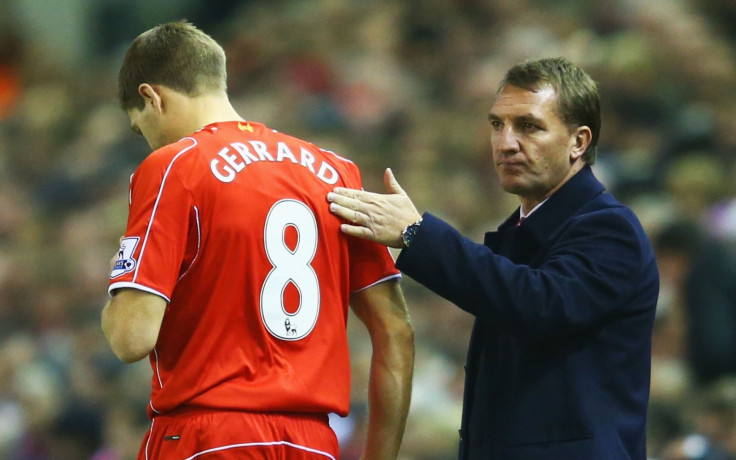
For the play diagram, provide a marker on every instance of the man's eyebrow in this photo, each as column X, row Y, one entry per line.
column 524, row 117
column 528, row 117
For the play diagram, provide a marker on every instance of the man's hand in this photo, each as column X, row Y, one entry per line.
column 375, row 216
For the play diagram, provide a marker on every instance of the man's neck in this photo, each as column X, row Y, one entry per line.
column 529, row 204
column 210, row 109
column 192, row 113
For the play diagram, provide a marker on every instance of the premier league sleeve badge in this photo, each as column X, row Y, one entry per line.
column 125, row 262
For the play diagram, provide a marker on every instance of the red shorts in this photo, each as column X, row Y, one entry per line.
column 222, row 435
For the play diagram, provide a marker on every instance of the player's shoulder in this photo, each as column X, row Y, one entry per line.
column 163, row 158
column 277, row 135
column 346, row 166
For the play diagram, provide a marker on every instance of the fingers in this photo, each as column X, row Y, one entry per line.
column 350, row 215
column 342, row 197
column 352, row 193
column 392, row 185
column 355, row 209
column 371, row 217
column 355, row 230
column 341, row 202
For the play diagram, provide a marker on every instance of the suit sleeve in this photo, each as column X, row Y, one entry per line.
column 594, row 268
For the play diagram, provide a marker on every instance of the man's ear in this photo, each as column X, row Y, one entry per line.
column 581, row 141
column 151, row 96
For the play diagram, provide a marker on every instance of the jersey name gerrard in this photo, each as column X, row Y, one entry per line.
column 232, row 228
column 238, row 155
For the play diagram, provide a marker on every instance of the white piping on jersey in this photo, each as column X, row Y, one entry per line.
column 336, row 155
column 390, row 277
column 257, row 444
column 155, row 205
column 150, row 403
column 140, row 287
column 150, row 435
column 160, row 383
column 199, row 241
column 158, row 374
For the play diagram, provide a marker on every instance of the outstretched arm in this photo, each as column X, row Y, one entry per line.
column 375, row 216
column 383, row 310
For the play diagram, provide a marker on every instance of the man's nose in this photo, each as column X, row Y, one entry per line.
column 505, row 140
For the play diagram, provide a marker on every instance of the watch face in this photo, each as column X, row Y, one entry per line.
column 408, row 234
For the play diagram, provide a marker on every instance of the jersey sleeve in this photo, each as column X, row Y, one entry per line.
column 370, row 262
column 152, row 251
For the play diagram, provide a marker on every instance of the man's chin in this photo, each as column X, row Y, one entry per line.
column 514, row 186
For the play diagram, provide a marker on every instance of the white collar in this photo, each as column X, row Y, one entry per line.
column 523, row 215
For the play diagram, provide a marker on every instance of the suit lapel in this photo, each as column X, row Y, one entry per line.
column 520, row 244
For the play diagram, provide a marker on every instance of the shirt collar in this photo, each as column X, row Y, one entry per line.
column 560, row 206
column 523, row 215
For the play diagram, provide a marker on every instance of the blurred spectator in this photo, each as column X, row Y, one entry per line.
column 708, row 425
column 702, row 270
column 696, row 181
column 10, row 72
column 400, row 84
column 78, row 433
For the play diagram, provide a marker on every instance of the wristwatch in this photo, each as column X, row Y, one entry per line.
column 408, row 234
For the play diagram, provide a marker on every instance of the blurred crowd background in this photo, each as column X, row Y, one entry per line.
column 405, row 84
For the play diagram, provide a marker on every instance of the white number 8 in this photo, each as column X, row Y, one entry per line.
column 290, row 267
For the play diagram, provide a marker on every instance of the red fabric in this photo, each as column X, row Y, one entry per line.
column 239, row 436
column 231, row 225
column 10, row 89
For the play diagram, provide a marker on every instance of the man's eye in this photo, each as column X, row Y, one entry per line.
column 496, row 125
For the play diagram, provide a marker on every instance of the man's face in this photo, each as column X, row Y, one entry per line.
column 533, row 149
column 152, row 124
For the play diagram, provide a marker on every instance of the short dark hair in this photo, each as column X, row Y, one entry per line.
column 578, row 101
column 176, row 55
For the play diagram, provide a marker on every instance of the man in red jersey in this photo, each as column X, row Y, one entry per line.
column 234, row 279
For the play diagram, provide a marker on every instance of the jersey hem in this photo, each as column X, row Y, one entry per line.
column 140, row 287
column 397, row 276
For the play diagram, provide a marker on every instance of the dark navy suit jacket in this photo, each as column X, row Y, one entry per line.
column 559, row 360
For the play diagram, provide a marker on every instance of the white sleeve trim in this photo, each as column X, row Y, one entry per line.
column 140, row 287
column 382, row 280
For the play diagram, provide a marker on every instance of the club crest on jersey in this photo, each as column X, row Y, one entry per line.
column 125, row 262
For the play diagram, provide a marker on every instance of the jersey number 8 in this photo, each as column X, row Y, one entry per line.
column 290, row 266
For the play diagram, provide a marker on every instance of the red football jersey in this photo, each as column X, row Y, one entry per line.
column 231, row 226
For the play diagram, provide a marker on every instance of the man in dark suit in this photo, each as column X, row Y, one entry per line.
column 563, row 293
